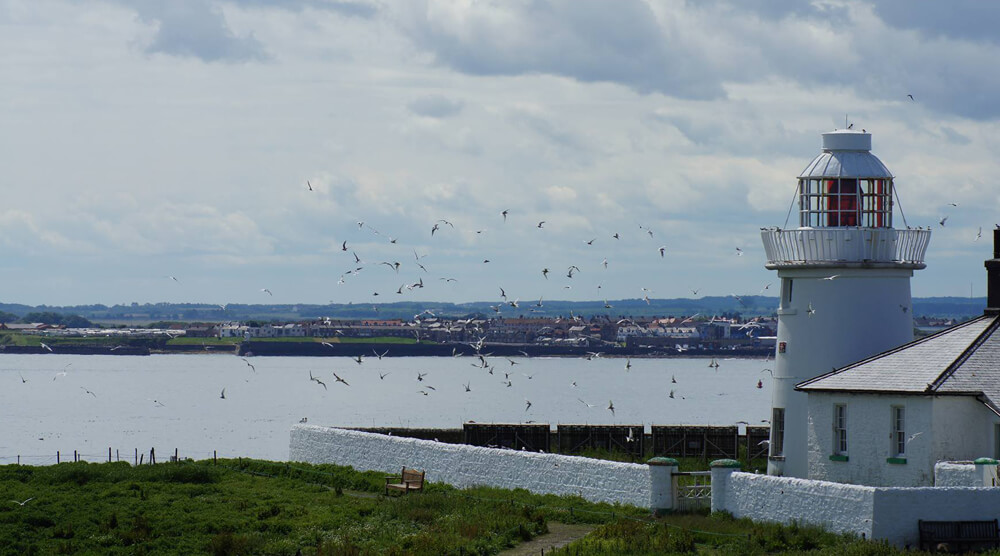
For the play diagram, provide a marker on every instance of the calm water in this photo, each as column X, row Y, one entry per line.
column 90, row 403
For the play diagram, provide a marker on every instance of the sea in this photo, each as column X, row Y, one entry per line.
column 206, row 404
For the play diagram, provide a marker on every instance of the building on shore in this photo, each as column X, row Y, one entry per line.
column 845, row 281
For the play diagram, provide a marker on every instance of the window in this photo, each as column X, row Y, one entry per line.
column 845, row 202
column 898, row 447
column 840, row 429
column 786, row 291
column 777, row 431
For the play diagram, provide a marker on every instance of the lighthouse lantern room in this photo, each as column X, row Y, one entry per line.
column 845, row 285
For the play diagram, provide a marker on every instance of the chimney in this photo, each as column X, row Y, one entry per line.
column 993, row 278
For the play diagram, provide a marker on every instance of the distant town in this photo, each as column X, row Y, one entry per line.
column 724, row 329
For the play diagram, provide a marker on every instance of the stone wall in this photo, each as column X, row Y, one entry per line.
column 465, row 466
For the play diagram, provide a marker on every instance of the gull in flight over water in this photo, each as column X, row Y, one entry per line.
column 611, row 407
column 317, row 381
column 338, row 379
column 267, row 291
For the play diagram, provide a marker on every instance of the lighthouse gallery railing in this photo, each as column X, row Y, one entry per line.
column 805, row 246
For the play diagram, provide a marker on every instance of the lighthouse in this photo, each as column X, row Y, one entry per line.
column 845, row 282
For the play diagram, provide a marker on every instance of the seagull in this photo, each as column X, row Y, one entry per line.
column 590, row 405
column 979, row 234
column 911, row 98
column 338, row 379
column 504, row 214
column 540, row 223
column 912, row 436
column 616, row 236
column 173, row 278
column 420, row 376
column 434, row 229
column 318, row 381
column 23, row 503
column 628, row 363
column 380, row 356
column 527, row 405
column 88, row 391
column 673, row 379
column 539, row 304
column 223, row 394
column 591, row 242
column 359, row 360
column 604, row 263
column 810, row 311
column 671, row 395
column 611, row 407
column 44, row 346
column 942, row 221
column 739, row 252
column 267, row 291
column 545, row 273
column 309, row 185
column 503, row 294
column 343, row 246
column 831, row 278
column 663, row 250
column 765, row 443
column 695, row 292
column 22, row 378
column 903, row 308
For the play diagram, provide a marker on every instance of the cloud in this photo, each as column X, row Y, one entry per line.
column 196, row 28
column 586, row 40
column 435, row 107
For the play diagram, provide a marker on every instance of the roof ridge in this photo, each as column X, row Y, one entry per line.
column 892, row 350
column 964, row 356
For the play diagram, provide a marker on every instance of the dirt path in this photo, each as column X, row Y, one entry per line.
column 559, row 535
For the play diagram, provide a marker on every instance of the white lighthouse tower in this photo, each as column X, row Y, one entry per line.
column 845, row 282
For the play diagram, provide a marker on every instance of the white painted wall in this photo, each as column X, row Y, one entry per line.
column 836, row 507
column 950, row 427
column 877, row 512
column 465, row 466
column 857, row 315
column 962, row 429
column 952, row 474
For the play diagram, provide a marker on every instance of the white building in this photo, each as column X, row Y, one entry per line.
column 887, row 420
column 845, row 281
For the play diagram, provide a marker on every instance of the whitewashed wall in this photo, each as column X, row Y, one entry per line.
column 836, row 507
column 889, row 513
column 949, row 427
column 465, row 466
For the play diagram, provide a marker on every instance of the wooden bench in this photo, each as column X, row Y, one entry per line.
column 408, row 480
column 958, row 536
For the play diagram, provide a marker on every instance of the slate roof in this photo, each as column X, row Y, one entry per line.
column 963, row 359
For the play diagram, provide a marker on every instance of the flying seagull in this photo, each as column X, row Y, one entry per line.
column 316, row 380
column 611, row 407
column 338, row 379
column 267, row 291
column 309, row 185
column 223, row 394
column 23, row 503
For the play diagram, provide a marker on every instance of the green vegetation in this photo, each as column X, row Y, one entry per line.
column 260, row 507
column 719, row 533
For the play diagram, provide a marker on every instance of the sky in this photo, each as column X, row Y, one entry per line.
column 164, row 151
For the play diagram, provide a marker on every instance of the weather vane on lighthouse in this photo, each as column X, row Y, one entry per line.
column 845, row 281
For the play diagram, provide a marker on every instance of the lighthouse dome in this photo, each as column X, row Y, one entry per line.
column 846, row 154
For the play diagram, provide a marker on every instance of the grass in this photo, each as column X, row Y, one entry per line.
column 261, row 507
column 719, row 533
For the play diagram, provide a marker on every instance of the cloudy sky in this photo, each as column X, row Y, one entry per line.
column 143, row 139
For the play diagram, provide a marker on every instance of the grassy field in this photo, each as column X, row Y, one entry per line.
column 269, row 508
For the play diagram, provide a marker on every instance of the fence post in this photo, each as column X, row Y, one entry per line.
column 75, row 457
column 57, row 457
column 662, row 498
column 721, row 471
column 152, row 456
column 137, row 456
column 175, row 455
column 215, row 457
column 109, row 454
